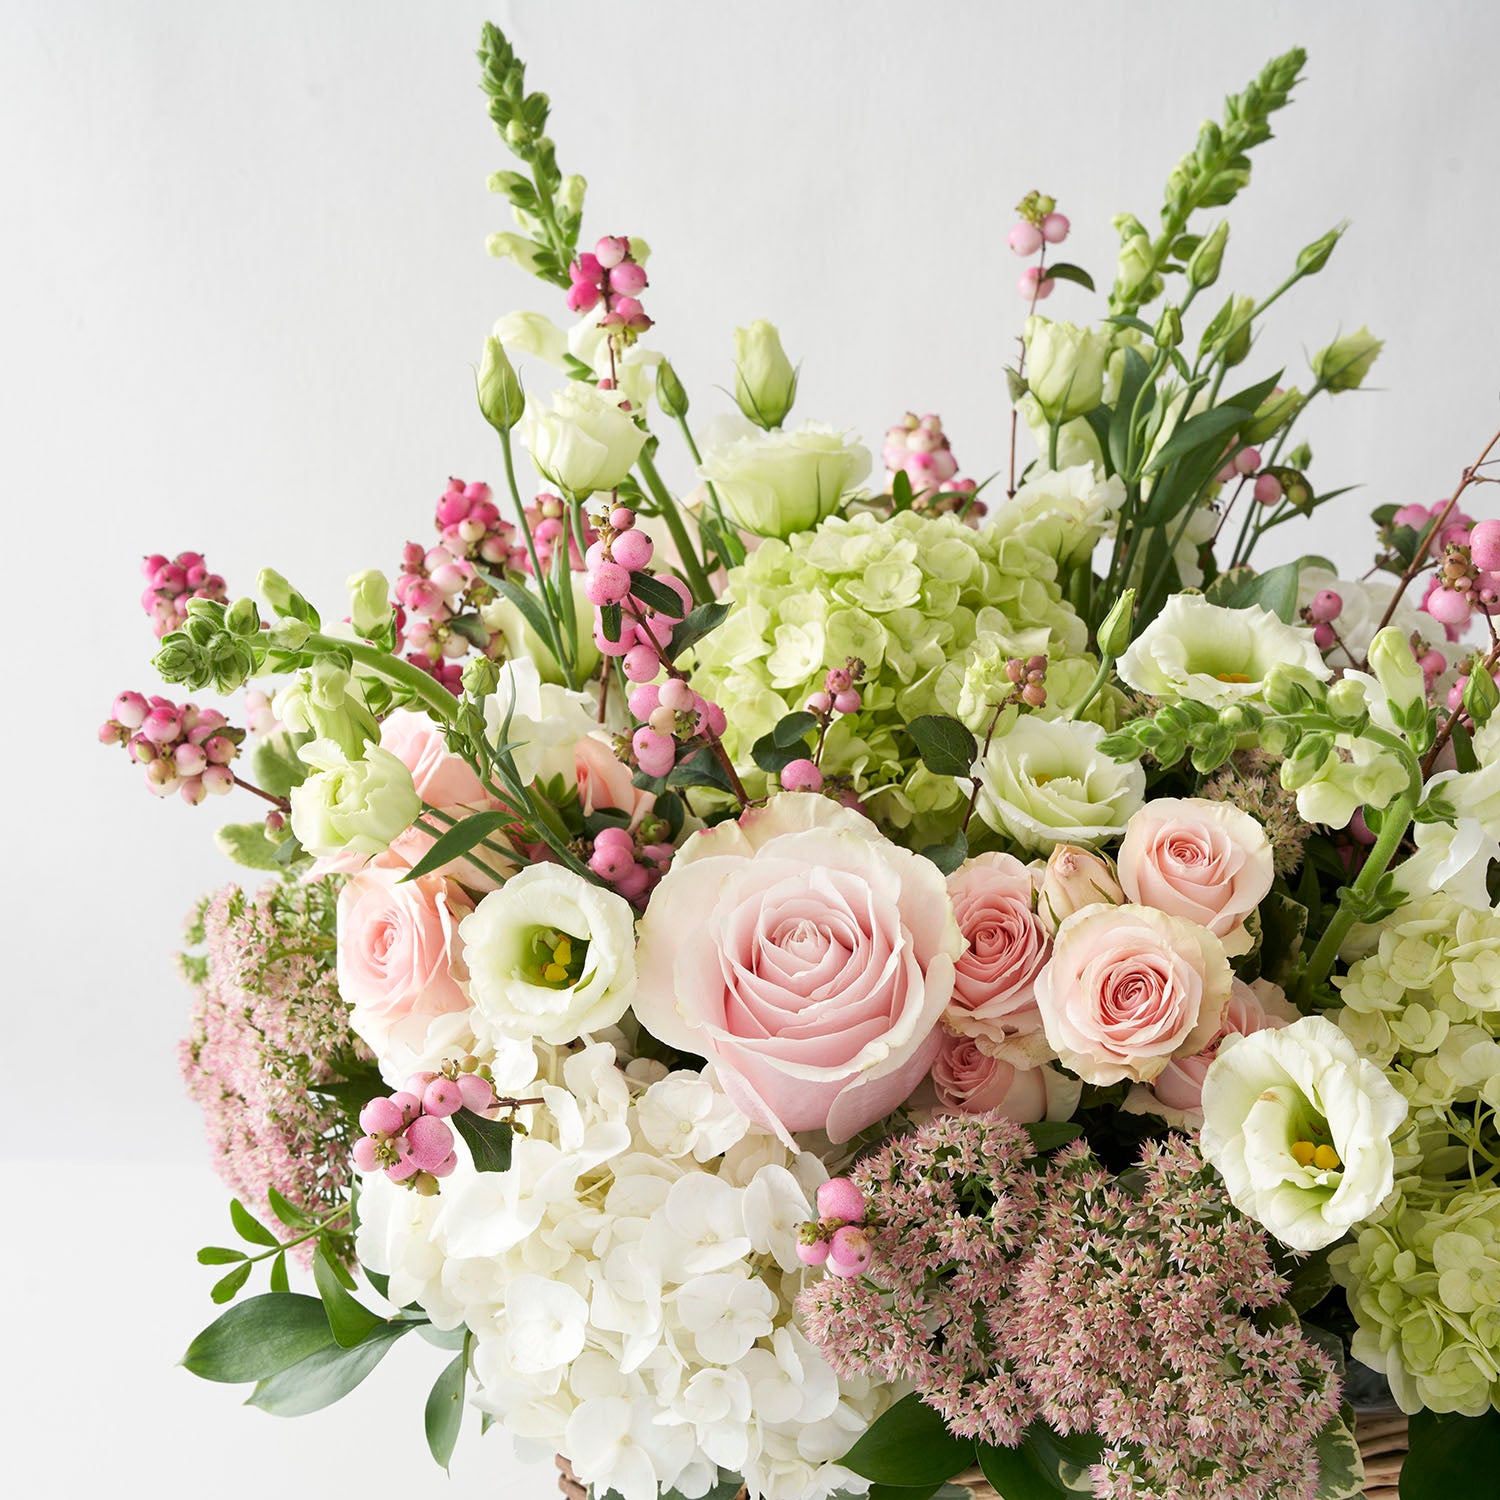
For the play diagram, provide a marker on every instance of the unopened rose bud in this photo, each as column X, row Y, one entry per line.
column 499, row 390
column 765, row 382
column 1075, row 878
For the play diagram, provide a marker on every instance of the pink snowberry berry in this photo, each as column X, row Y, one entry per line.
column 622, row 518
column 632, row 550
column 676, row 695
column 611, row 250
column 801, row 776
column 1035, row 284
column 655, row 753
column 609, row 583
column 1484, row 546
column 847, row 702
column 820, row 703
column 408, row 1103
column 849, row 1253
column 628, row 278
column 641, row 663
column 1324, row 637
column 1247, row 461
column 430, row 1140
column 364, row 1154
column 1433, row 665
column 812, row 1252
column 1326, row 605
column 1025, row 238
column 1447, row 606
column 381, row 1116
column 478, row 1093
column 442, row 1098
column 611, row 862
column 1267, row 490
column 838, row 1198
column 1055, row 228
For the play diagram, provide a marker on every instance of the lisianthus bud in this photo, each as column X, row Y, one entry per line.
column 670, row 395
column 1272, row 415
column 582, row 440
column 1074, row 878
column 1343, row 365
column 1481, row 697
column 1168, row 333
column 1397, row 670
column 481, row 676
column 1065, row 367
column 1229, row 330
column 765, row 384
column 369, row 600
column 1114, row 633
column 1314, row 257
column 500, row 397
column 1203, row 267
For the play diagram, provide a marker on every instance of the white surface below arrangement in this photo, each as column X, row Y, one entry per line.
column 118, row 1416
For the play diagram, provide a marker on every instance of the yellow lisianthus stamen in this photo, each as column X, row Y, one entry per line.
column 1303, row 1153
column 1323, row 1158
column 1232, row 677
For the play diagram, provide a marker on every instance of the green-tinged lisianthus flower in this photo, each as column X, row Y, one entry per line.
column 1064, row 513
column 765, row 383
column 777, row 483
column 357, row 805
column 1045, row 782
column 1209, row 654
column 1343, row 365
column 1065, row 367
column 1299, row 1126
column 582, row 440
column 550, row 957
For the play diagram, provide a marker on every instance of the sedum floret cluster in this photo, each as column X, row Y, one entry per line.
column 908, row 596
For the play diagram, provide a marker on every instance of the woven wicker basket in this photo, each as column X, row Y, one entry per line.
column 1381, row 1436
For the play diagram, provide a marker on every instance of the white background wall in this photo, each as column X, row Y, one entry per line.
column 241, row 253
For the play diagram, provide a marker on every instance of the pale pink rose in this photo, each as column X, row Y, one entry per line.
column 1262, row 1006
column 1206, row 861
column 399, row 961
column 807, row 957
column 442, row 778
column 973, row 1082
column 1128, row 988
column 604, row 780
column 1074, row 878
column 993, row 994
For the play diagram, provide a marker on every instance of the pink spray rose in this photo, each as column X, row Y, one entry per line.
column 442, row 779
column 1128, row 988
column 807, row 957
column 993, row 995
column 971, row 1081
column 1074, row 878
column 1177, row 1091
column 604, row 780
column 1205, row 861
column 399, row 959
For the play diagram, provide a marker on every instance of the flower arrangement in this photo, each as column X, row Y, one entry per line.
column 823, row 981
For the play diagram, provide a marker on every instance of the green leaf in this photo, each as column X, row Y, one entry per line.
column 919, row 1492
column 1341, row 1470
column 258, row 1338
column 451, row 1339
column 325, row 1376
column 610, row 616
column 489, row 1141
column 1210, row 426
column 1062, row 271
column 444, row 1414
column 287, row 1211
column 279, row 1281
column 901, row 495
column 351, row 1321
column 1048, row 1135
column 1064, row 1458
column 219, row 1255
column 700, row 769
column 1250, row 398
column 1274, row 590
column 250, row 845
column 949, row 856
column 1451, row 1456
column 458, row 840
column 274, row 766
column 909, row 1446
column 791, row 729
column 226, row 1286
column 699, row 623
column 1132, row 377
column 653, row 593
column 248, row 1226
column 531, row 609
column 1016, row 1474
column 945, row 745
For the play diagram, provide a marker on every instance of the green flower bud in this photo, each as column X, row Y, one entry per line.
column 569, row 195
column 1229, row 331
column 512, row 184
column 670, row 395
column 1306, row 762
column 369, row 601
column 500, row 396
column 516, row 247
column 1168, row 334
column 1343, row 365
column 1135, row 277
column 1481, row 696
column 1397, row 671
column 242, row 618
column 481, row 676
column 278, row 593
column 1203, row 267
column 231, row 663
column 765, row 384
column 1346, row 700
column 1293, row 690
column 1272, row 415
column 182, row 661
column 201, row 629
column 1314, row 257
column 1114, row 633
column 288, row 634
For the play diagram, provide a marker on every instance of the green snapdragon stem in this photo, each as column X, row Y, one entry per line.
column 551, row 606
column 1106, row 666
column 437, row 700
column 697, row 579
column 1396, row 821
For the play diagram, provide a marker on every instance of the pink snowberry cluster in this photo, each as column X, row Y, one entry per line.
column 672, row 715
column 171, row 582
column 611, row 275
column 837, row 1238
column 633, row 868
column 838, row 695
column 1267, row 489
column 1028, row 680
column 184, row 749
column 1467, row 580
column 1040, row 224
column 919, row 448
column 407, row 1135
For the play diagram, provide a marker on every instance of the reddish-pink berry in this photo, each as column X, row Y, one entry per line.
column 1484, row 546
column 1025, row 238
column 801, row 776
column 839, row 1198
column 382, row 1116
column 632, row 550
column 1327, row 604
column 1055, row 228
column 1267, row 490
column 441, row 1097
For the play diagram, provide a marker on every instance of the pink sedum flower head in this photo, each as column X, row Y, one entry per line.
column 1128, row 988
column 807, row 957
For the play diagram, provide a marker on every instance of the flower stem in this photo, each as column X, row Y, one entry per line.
column 697, row 579
column 438, row 701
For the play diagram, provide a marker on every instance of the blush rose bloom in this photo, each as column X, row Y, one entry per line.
column 1128, row 988
column 993, row 986
column 604, row 780
column 1205, row 861
column 398, row 960
column 971, row 1081
column 807, row 957
column 442, row 779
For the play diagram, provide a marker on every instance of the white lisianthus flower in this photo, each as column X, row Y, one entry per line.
column 546, row 721
column 1299, row 1125
column 1210, row 654
column 1064, row 513
column 1046, row 782
column 582, row 441
column 550, row 956
column 777, row 483
column 358, row 805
